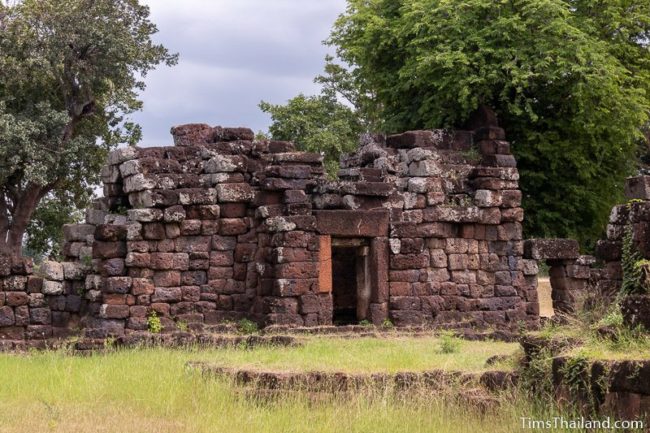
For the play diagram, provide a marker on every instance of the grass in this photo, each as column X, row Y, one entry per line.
column 601, row 335
column 366, row 355
column 151, row 390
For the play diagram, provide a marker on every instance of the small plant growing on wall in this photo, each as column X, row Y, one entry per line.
column 246, row 326
column 387, row 324
column 636, row 270
column 182, row 326
column 153, row 323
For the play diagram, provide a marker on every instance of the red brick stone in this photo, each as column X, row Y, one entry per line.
column 233, row 226
column 167, row 279
column 296, row 270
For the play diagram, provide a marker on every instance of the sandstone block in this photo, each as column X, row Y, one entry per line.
column 52, row 270
column 52, row 288
column 77, row 232
column 235, row 193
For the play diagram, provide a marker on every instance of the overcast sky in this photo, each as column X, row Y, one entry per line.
column 233, row 53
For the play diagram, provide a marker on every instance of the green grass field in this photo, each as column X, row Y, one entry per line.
column 152, row 390
column 364, row 355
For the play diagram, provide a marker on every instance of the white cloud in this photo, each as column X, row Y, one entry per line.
column 233, row 53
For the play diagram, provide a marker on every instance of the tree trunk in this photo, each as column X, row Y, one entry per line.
column 12, row 232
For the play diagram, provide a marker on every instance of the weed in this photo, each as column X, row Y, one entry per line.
column 109, row 343
column 182, row 326
column 246, row 326
column 449, row 343
column 613, row 317
column 630, row 259
column 366, row 323
column 153, row 323
column 387, row 324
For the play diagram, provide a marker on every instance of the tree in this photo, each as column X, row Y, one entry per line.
column 316, row 124
column 569, row 79
column 45, row 230
column 70, row 71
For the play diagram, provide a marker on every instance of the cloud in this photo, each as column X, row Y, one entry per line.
column 232, row 55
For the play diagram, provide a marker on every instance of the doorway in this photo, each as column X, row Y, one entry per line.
column 350, row 282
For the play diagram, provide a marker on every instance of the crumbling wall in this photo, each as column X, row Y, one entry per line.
column 453, row 226
column 221, row 227
column 36, row 308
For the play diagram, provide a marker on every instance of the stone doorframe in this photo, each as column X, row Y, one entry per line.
column 368, row 229
column 569, row 271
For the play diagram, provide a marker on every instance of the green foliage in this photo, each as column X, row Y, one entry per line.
column 387, row 324
column 630, row 259
column 70, row 74
column 366, row 323
column 45, row 230
column 449, row 343
column 153, row 323
column 613, row 318
column 569, row 80
column 316, row 124
column 538, row 373
column 246, row 326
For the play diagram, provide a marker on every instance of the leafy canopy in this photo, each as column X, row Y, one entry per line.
column 569, row 80
column 70, row 73
column 316, row 124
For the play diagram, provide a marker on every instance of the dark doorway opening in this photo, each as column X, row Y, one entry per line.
column 351, row 291
column 344, row 285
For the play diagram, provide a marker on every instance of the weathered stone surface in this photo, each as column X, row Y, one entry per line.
column 77, row 232
column 51, row 270
column 352, row 223
column 235, row 193
column 52, row 288
column 637, row 188
column 551, row 249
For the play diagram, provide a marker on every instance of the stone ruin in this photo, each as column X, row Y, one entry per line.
column 421, row 228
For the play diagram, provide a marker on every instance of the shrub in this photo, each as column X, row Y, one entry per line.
column 246, row 326
column 153, row 323
column 449, row 343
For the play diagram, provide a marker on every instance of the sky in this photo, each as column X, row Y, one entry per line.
column 233, row 54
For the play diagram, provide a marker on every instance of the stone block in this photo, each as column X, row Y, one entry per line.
column 233, row 226
column 174, row 214
column 52, row 288
column 77, row 232
column 114, row 311
column 51, row 270
column 235, row 193
column 551, row 249
column 370, row 223
column 200, row 196
column 117, row 285
column 167, row 295
column 413, row 139
column 427, row 168
column 637, row 188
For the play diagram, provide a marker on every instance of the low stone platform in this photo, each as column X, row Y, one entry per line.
column 621, row 388
column 341, row 382
column 352, row 331
column 144, row 339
